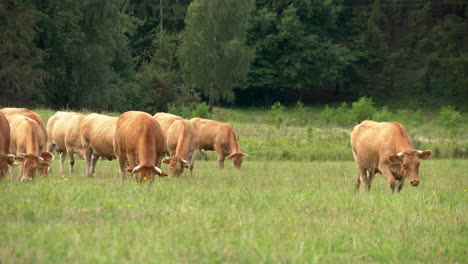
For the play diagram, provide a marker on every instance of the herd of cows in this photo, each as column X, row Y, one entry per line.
column 136, row 139
column 140, row 142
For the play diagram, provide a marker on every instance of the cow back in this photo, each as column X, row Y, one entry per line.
column 4, row 135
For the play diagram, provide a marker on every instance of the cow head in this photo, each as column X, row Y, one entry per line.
column 5, row 160
column 407, row 163
column 146, row 173
column 29, row 163
column 237, row 158
column 176, row 165
column 47, row 157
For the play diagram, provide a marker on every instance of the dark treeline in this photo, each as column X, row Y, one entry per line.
column 147, row 54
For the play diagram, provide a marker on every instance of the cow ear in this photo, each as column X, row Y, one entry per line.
column 46, row 154
column 44, row 164
column 166, row 160
column 394, row 159
column 129, row 169
column 424, row 154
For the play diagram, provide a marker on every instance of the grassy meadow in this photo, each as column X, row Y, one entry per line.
column 278, row 208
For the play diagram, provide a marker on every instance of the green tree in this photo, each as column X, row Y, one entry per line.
column 213, row 54
column 19, row 57
column 89, row 62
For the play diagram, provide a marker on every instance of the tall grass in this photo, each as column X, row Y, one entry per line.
column 267, row 212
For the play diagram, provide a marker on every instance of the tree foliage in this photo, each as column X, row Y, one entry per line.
column 213, row 54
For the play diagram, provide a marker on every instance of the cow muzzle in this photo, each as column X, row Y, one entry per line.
column 414, row 183
column 24, row 179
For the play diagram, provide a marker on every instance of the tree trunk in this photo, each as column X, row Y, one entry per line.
column 211, row 99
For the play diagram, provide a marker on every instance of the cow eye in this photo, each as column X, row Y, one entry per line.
column 405, row 166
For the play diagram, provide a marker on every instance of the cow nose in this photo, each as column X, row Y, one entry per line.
column 415, row 183
column 25, row 179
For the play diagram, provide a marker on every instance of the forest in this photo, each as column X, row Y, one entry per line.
column 117, row 55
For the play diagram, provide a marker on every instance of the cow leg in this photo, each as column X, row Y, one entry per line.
column 87, row 156
column 122, row 160
column 370, row 177
column 361, row 178
column 71, row 157
column 132, row 163
column 388, row 174
column 203, row 154
column 63, row 155
column 400, row 184
column 192, row 158
column 94, row 159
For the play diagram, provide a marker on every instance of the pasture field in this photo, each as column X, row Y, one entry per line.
column 270, row 211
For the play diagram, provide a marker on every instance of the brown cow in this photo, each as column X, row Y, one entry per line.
column 139, row 141
column 5, row 158
column 385, row 148
column 97, row 138
column 63, row 130
column 26, row 141
column 47, row 156
column 218, row 136
column 181, row 140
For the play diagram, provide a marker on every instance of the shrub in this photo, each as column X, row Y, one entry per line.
column 384, row 115
column 341, row 115
column 326, row 116
column 449, row 117
column 362, row 109
column 301, row 113
column 181, row 110
column 201, row 110
column 277, row 113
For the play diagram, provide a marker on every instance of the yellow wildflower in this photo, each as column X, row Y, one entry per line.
column 430, row 208
column 295, row 234
column 129, row 205
column 84, row 210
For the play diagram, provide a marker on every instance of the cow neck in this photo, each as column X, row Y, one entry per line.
column 182, row 148
column 233, row 145
column 32, row 146
column 146, row 147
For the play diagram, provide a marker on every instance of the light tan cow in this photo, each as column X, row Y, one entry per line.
column 97, row 138
column 5, row 158
column 385, row 148
column 63, row 130
column 181, row 140
column 139, row 141
column 47, row 156
column 220, row 137
column 26, row 141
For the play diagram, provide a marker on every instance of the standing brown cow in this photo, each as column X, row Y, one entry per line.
column 26, row 141
column 220, row 137
column 5, row 158
column 139, row 141
column 97, row 138
column 181, row 140
column 385, row 148
column 63, row 130
column 47, row 156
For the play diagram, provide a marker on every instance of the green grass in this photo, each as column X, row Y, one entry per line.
column 267, row 212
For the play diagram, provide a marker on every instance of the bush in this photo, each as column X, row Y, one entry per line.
column 326, row 116
column 449, row 117
column 362, row 109
column 384, row 115
column 201, row 110
column 181, row 110
column 277, row 113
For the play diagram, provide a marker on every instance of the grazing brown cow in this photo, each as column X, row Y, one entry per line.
column 181, row 140
column 26, row 141
column 63, row 130
column 5, row 158
column 385, row 148
column 97, row 138
column 47, row 156
column 220, row 137
column 139, row 141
